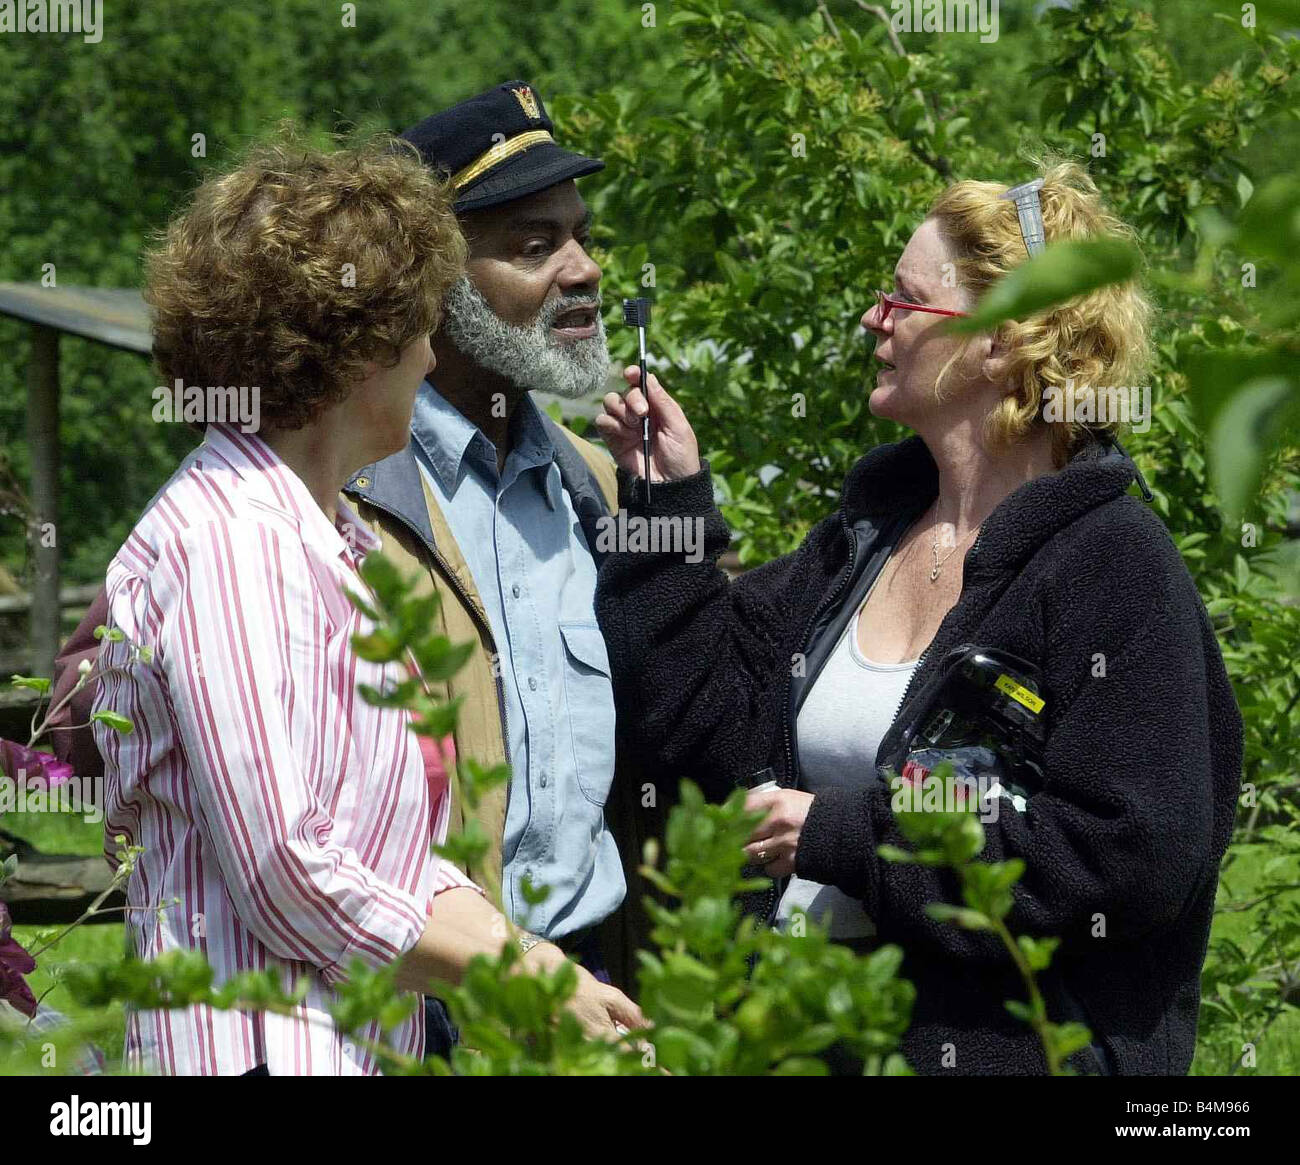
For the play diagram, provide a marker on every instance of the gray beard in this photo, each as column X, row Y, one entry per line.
column 527, row 356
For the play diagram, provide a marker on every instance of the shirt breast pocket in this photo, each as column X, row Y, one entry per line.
column 589, row 697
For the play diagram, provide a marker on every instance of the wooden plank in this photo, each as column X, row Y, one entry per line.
column 50, row 889
column 81, row 596
column 115, row 316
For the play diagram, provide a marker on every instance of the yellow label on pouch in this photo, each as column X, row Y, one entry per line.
column 1019, row 693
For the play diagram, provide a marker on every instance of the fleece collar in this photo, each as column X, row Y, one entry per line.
column 903, row 477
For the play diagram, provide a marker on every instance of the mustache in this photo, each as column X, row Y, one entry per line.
column 549, row 313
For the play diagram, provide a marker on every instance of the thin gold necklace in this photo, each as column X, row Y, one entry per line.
column 937, row 568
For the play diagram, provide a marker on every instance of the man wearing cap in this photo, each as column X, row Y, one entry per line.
column 497, row 505
column 494, row 506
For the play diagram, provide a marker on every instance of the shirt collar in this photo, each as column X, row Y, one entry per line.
column 446, row 438
column 273, row 485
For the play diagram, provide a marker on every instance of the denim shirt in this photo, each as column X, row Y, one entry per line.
column 534, row 573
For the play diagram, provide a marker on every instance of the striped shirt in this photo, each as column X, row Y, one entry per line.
column 291, row 819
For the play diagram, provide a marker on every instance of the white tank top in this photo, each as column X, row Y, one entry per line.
column 842, row 721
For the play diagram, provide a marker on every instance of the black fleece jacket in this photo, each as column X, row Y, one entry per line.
column 1142, row 770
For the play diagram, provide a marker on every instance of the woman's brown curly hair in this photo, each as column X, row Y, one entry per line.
column 293, row 270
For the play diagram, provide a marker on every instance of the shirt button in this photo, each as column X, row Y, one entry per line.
column 532, row 683
column 514, row 590
column 543, row 780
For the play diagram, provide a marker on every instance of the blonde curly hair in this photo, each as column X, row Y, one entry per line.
column 1098, row 341
column 297, row 267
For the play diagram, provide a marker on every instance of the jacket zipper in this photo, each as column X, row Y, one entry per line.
column 770, row 897
column 845, row 575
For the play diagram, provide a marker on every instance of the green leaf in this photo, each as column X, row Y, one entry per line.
column 1022, row 1011
column 395, row 696
column 1245, row 188
column 483, row 779
column 1260, row 415
column 380, row 646
column 963, row 916
column 463, row 850
column 1068, row 1038
column 440, row 719
column 687, row 989
column 115, row 721
column 533, row 895
column 440, row 659
column 1216, row 375
column 1270, row 225
column 363, row 606
column 34, row 683
column 384, row 579
column 1037, row 951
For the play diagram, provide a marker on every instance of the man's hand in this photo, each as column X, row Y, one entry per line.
column 775, row 840
column 674, row 452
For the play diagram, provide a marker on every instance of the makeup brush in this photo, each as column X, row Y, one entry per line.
column 636, row 314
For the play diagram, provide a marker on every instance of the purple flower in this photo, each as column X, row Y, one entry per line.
column 41, row 768
column 15, row 962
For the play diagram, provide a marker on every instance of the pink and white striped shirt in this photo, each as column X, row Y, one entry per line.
column 292, row 819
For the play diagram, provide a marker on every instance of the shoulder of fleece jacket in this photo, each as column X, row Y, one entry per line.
column 700, row 661
column 1154, row 606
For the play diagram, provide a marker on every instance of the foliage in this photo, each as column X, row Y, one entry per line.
column 98, row 149
column 22, row 766
column 709, row 1014
column 724, row 994
column 954, row 838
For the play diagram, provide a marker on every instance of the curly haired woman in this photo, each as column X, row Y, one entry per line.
column 286, row 823
column 997, row 526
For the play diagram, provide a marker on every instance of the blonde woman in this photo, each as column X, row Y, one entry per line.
column 995, row 526
column 286, row 823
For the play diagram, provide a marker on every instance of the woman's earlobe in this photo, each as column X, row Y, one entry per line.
column 994, row 362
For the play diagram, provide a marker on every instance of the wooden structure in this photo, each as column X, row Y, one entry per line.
column 47, row 889
column 50, row 889
column 111, row 316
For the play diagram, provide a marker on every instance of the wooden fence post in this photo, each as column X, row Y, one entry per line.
column 43, row 445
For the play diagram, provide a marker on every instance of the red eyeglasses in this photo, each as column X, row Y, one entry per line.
column 887, row 303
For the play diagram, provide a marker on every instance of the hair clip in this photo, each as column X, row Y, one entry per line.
column 1030, row 211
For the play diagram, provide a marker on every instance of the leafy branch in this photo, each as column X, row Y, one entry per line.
column 953, row 839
